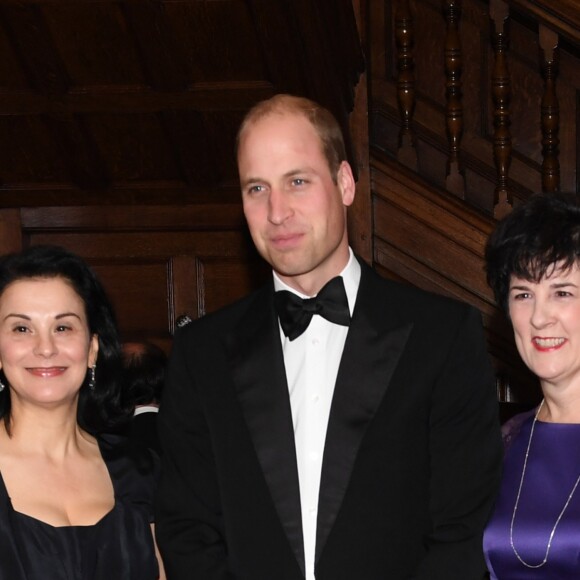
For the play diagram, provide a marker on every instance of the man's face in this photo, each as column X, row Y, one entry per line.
column 295, row 211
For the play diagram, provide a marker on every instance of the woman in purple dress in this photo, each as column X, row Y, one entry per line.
column 533, row 267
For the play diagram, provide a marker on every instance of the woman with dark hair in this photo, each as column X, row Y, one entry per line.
column 533, row 267
column 75, row 504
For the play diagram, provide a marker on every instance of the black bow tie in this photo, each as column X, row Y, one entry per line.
column 296, row 313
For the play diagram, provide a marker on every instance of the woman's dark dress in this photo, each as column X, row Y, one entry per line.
column 118, row 547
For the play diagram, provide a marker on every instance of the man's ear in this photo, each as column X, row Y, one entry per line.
column 346, row 183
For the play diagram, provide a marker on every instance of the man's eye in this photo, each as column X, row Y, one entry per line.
column 256, row 189
column 299, row 181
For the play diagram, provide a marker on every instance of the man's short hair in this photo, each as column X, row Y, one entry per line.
column 323, row 121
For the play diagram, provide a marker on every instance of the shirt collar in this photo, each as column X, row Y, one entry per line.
column 350, row 275
column 145, row 409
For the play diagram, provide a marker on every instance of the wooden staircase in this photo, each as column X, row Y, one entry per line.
column 472, row 106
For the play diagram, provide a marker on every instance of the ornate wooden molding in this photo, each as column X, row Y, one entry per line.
column 562, row 16
column 455, row 182
column 404, row 35
column 501, row 93
column 550, row 110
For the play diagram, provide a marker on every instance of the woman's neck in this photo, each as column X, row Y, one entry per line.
column 49, row 432
column 560, row 406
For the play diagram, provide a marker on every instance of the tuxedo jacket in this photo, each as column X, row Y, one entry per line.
column 412, row 454
column 142, row 430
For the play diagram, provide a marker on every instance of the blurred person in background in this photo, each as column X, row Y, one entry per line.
column 144, row 365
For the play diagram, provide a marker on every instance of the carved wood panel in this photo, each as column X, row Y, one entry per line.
column 157, row 263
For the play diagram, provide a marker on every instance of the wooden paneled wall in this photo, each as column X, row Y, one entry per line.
column 158, row 263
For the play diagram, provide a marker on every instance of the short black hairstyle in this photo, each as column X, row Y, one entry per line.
column 98, row 408
column 538, row 235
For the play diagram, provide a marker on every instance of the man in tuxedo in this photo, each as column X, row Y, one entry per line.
column 332, row 425
column 144, row 365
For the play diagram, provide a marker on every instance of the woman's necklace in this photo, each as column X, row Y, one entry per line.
column 518, row 500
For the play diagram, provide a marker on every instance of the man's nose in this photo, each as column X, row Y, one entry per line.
column 278, row 207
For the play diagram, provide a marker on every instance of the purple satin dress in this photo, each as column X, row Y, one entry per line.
column 553, row 469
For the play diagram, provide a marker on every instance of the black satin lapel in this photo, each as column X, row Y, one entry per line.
column 258, row 372
column 368, row 362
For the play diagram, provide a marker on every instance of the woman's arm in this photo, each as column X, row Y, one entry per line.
column 159, row 560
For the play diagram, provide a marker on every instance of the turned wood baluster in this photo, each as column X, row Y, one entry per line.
column 550, row 111
column 501, row 93
column 404, row 37
column 454, row 108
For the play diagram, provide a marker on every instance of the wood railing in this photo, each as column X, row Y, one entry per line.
column 555, row 25
column 472, row 102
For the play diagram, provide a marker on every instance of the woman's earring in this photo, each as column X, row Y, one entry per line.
column 92, row 380
column 2, row 386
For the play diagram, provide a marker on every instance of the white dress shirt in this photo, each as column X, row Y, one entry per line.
column 312, row 362
column 145, row 409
